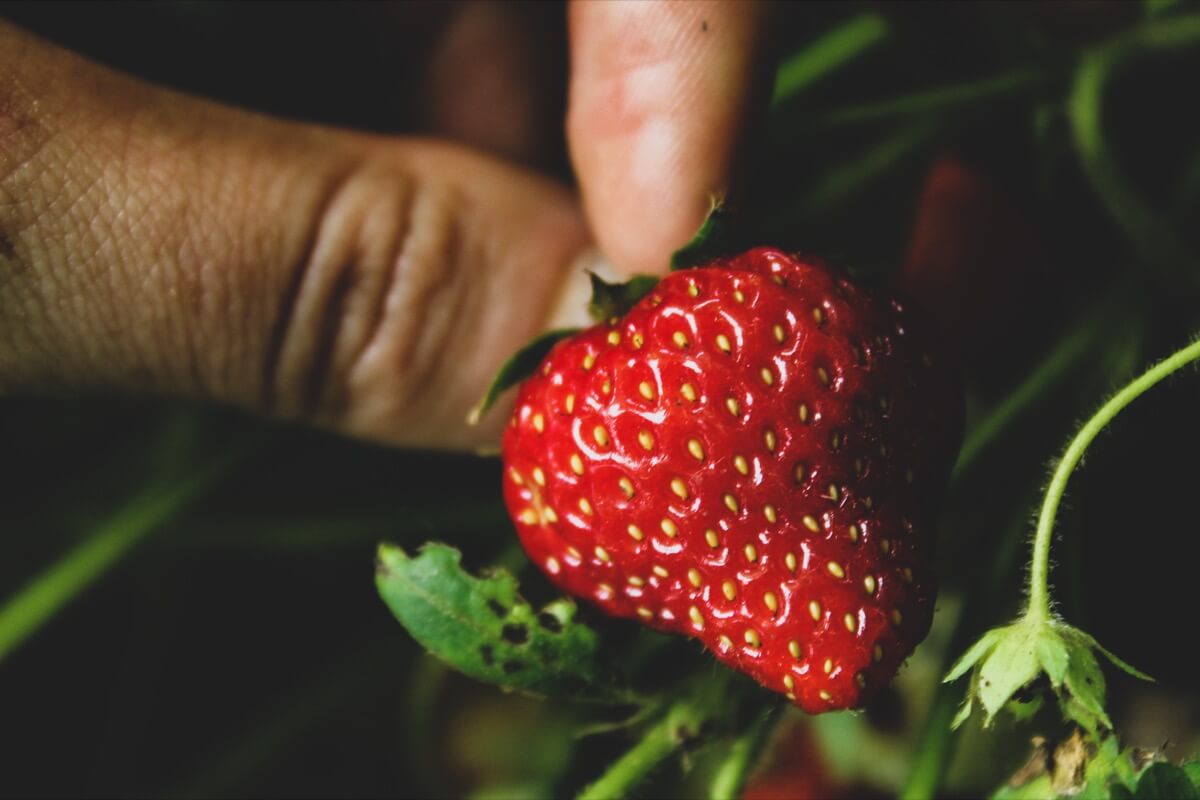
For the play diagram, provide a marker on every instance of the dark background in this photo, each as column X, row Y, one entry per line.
column 242, row 650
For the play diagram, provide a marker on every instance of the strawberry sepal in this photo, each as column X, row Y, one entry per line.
column 713, row 239
column 1006, row 660
column 519, row 366
column 612, row 300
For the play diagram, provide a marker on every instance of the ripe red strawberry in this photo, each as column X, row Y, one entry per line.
column 751, row 456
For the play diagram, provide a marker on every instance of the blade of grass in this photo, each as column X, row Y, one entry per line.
column 34, row 605
column 842, row 182
column 1058, row 365
column 928, row 100
column 935, row 743
column 826, row 54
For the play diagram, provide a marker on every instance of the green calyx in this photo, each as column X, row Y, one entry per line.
column 712, row 240
column 609, row 300
column 613, row 300
column 1007, row 659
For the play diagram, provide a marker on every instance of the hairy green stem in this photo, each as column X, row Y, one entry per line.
column 1039, row 593
column 731, row 776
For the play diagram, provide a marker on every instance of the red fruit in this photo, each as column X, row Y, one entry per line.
column 794, row 769
column 751, row 456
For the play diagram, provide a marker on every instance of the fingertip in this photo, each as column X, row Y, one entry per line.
column 661, row 97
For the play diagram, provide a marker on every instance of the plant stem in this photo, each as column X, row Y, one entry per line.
column 935, row 746
column 936, row 741
column 658, row 743
column 731, row 775
column 707, row 698
column 1039, row 594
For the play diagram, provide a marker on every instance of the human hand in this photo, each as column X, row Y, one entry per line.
column 155, row 242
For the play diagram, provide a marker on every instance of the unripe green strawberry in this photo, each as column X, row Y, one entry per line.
column 752, row 456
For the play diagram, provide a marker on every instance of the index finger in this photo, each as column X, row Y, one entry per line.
column 661, row 97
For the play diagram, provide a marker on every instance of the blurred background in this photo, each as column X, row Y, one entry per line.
column 186, row 597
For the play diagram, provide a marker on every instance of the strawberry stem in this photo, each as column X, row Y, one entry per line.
column 731, row 775
column 707, row 699
column 1039, row 594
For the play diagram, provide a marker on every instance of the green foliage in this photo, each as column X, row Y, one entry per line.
column 1006, row 660
column 712, row 240
column 484, row 628
column 1166, row 782
column 1089, row 767
column 519, row 367
column 610, row 300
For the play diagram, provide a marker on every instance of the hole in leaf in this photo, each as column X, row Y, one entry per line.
column 510, row 667
column 515, row 633
column 549, row 622
column 497, row 608
column 486, row 652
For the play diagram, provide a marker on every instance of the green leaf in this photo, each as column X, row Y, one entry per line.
column 1023, row 709
column 1116, row 662
column 1053, row 656
column 1011, row 665
column 1039, row 788
column 1165, row 782
column 1085, row 683
column 1192, row 770
column 520, row 366
column 712, row 240
column 611, row 300
column 1108, row 765
column 484, row 628
column 964, row 712
column 977, row 651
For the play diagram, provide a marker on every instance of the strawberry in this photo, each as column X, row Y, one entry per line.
column 794, row 768
column 751, row 456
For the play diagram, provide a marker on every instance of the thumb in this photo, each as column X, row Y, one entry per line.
column 154, row 242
